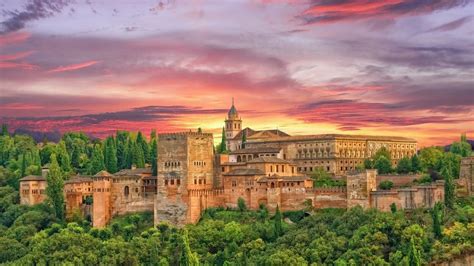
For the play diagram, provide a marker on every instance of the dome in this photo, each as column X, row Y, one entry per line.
column 233, row 111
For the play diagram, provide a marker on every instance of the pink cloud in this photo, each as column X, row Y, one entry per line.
column 13, row 38
column 73, row 67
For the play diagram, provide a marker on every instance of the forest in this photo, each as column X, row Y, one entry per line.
column 40, row 235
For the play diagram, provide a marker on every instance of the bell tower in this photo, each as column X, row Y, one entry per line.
column 233, row 125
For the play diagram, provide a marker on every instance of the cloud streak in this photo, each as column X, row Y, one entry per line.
column 73, row 67
column 331, row 11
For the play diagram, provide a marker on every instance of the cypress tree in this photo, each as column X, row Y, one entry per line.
column 23, row 165
column 436, row 215
column 54, row 190
column 144, row 147
column 187, row 257
column 154, row 157
column 63, row 157
column 5, row 130
column 278, row 223
column 97, row 160
column 137, row 156
column 223, row 147
column 110, row 155
column 413, row 254
column 121, row 139
column 244, row 139
column 449, row 186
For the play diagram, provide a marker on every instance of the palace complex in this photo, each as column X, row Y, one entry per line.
column 262, row 167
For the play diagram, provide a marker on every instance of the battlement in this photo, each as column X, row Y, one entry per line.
column 185, row 134
column 327, row 189
column 206, row 192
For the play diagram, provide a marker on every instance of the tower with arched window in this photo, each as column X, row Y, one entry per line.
column 233, row 125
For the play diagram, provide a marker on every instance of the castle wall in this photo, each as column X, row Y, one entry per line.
column 127, row 196
column 331, row 197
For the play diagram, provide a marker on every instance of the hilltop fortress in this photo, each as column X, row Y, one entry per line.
column 262, row 167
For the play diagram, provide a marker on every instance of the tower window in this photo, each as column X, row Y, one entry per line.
column 126, row 191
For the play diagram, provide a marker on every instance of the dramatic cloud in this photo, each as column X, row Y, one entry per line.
column 327, row 11
column 33, row 10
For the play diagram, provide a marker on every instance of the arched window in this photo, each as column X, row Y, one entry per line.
column 272, row 185
column 126, row 191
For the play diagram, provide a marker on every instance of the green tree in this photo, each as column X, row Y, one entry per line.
column 404, row 166
column 110, row 159
column 436, row 215
column 137, row 156
column 462, row 148
column 244, row 138
column 63, row 158
column 241, row 204
column 413, row 254
column 54, row 190
column 386, row 185
column 154, row 156
column 383, row 165
column 430, row 158
column 122, row 139
column 449, row 185
column 383, row 151
column 97, row 161
column 5, row 130
column 393, row 208
column 415, row 164
column 278, row 229
column 187, row 257
column 141, row 141
column 368, row 164
column 223, row 147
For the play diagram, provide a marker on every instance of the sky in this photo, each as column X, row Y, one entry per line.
column 392, row 67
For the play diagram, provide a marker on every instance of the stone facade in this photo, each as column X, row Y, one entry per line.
column 32, row 189
column 185, row 176
column 466, row 174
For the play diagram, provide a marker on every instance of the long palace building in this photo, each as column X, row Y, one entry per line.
column 335, row 153
column 271, row 168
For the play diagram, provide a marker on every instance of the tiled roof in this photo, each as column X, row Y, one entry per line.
column 103, row 173
column 78, row 179
column 136, row 171
column 260, row 134
column 33, row 178
column 245, row 171
column 332, row 137
column 257, row 150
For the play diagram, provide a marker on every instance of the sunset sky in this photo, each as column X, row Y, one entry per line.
column 392, row 67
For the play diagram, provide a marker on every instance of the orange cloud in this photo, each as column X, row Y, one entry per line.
column 73, row 67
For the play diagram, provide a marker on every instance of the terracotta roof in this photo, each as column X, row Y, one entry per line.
column 260, row 134
column 33, row 178
column 245, row 171
column 284, row 178
column 136, row 171
column 103, row 173
column 257, row 150
column 332, row 137
column 268, row 159
column 78, row 179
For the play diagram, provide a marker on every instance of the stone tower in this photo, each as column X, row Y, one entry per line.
column 467, row 174
column 101, row 209
column 233, row 125
column 185, row 165
column 359, row 186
